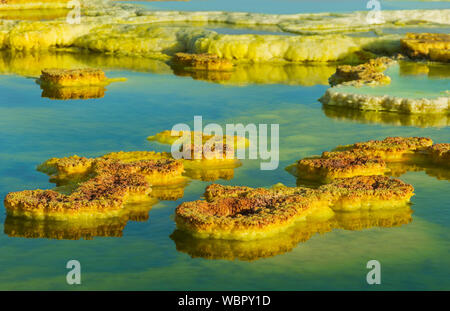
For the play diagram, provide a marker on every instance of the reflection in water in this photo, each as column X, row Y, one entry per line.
column 33, row 15
column 432, row 70
column 31, row 65
column 73, row 92
column 397, row 169
column 75, row 229
column 385, row 117
column 168, row 193
column 265, row 73
column 210, row 174
column 283, row 243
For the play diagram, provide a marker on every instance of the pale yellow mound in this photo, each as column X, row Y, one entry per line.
column 169, row 137
column 370, row 73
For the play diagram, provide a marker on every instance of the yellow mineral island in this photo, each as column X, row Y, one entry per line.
column 92, row 187
column 370, row 158
column 202, row 62
column 169, row 137
column 243, row 213
column 289, row 239
column 432, row 46
column 74, row 83
column 370, row 73
column 101, row 187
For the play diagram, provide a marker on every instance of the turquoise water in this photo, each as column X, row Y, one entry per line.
column 149, row 255
column 288, row 6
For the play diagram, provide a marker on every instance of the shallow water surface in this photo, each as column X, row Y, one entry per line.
column 407, row 81
column 287, row 6
column 149, row 253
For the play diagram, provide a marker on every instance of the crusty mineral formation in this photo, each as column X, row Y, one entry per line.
column 204, row 61
column 243, row 213
column 73, row 77
column 369, row 158
column 434, row 46
column 289, row 239
column 370, row 73
column 92, row 187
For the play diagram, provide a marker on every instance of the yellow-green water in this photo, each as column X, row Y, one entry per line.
column 413, row 255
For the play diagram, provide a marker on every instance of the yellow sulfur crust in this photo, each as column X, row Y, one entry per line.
column 202, row 169
column 370, row 73
column 243, row 213
column 440, row 154
column 204, row 61
column 169, row 137
column 73, row 77
column 93, row 187
column 365, row 158
column 427, row 45
column 115, row 28
column 289, row 239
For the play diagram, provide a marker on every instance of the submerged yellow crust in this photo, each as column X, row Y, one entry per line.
column 243, row 213
column 169, row 137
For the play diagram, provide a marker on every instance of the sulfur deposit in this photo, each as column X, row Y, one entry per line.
column 427, row 45
column 92, row 187
column 369, row 158
column 243, row 213
column 370, row 73
column 289, row 239
column 202, row 62
column 125, row 29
